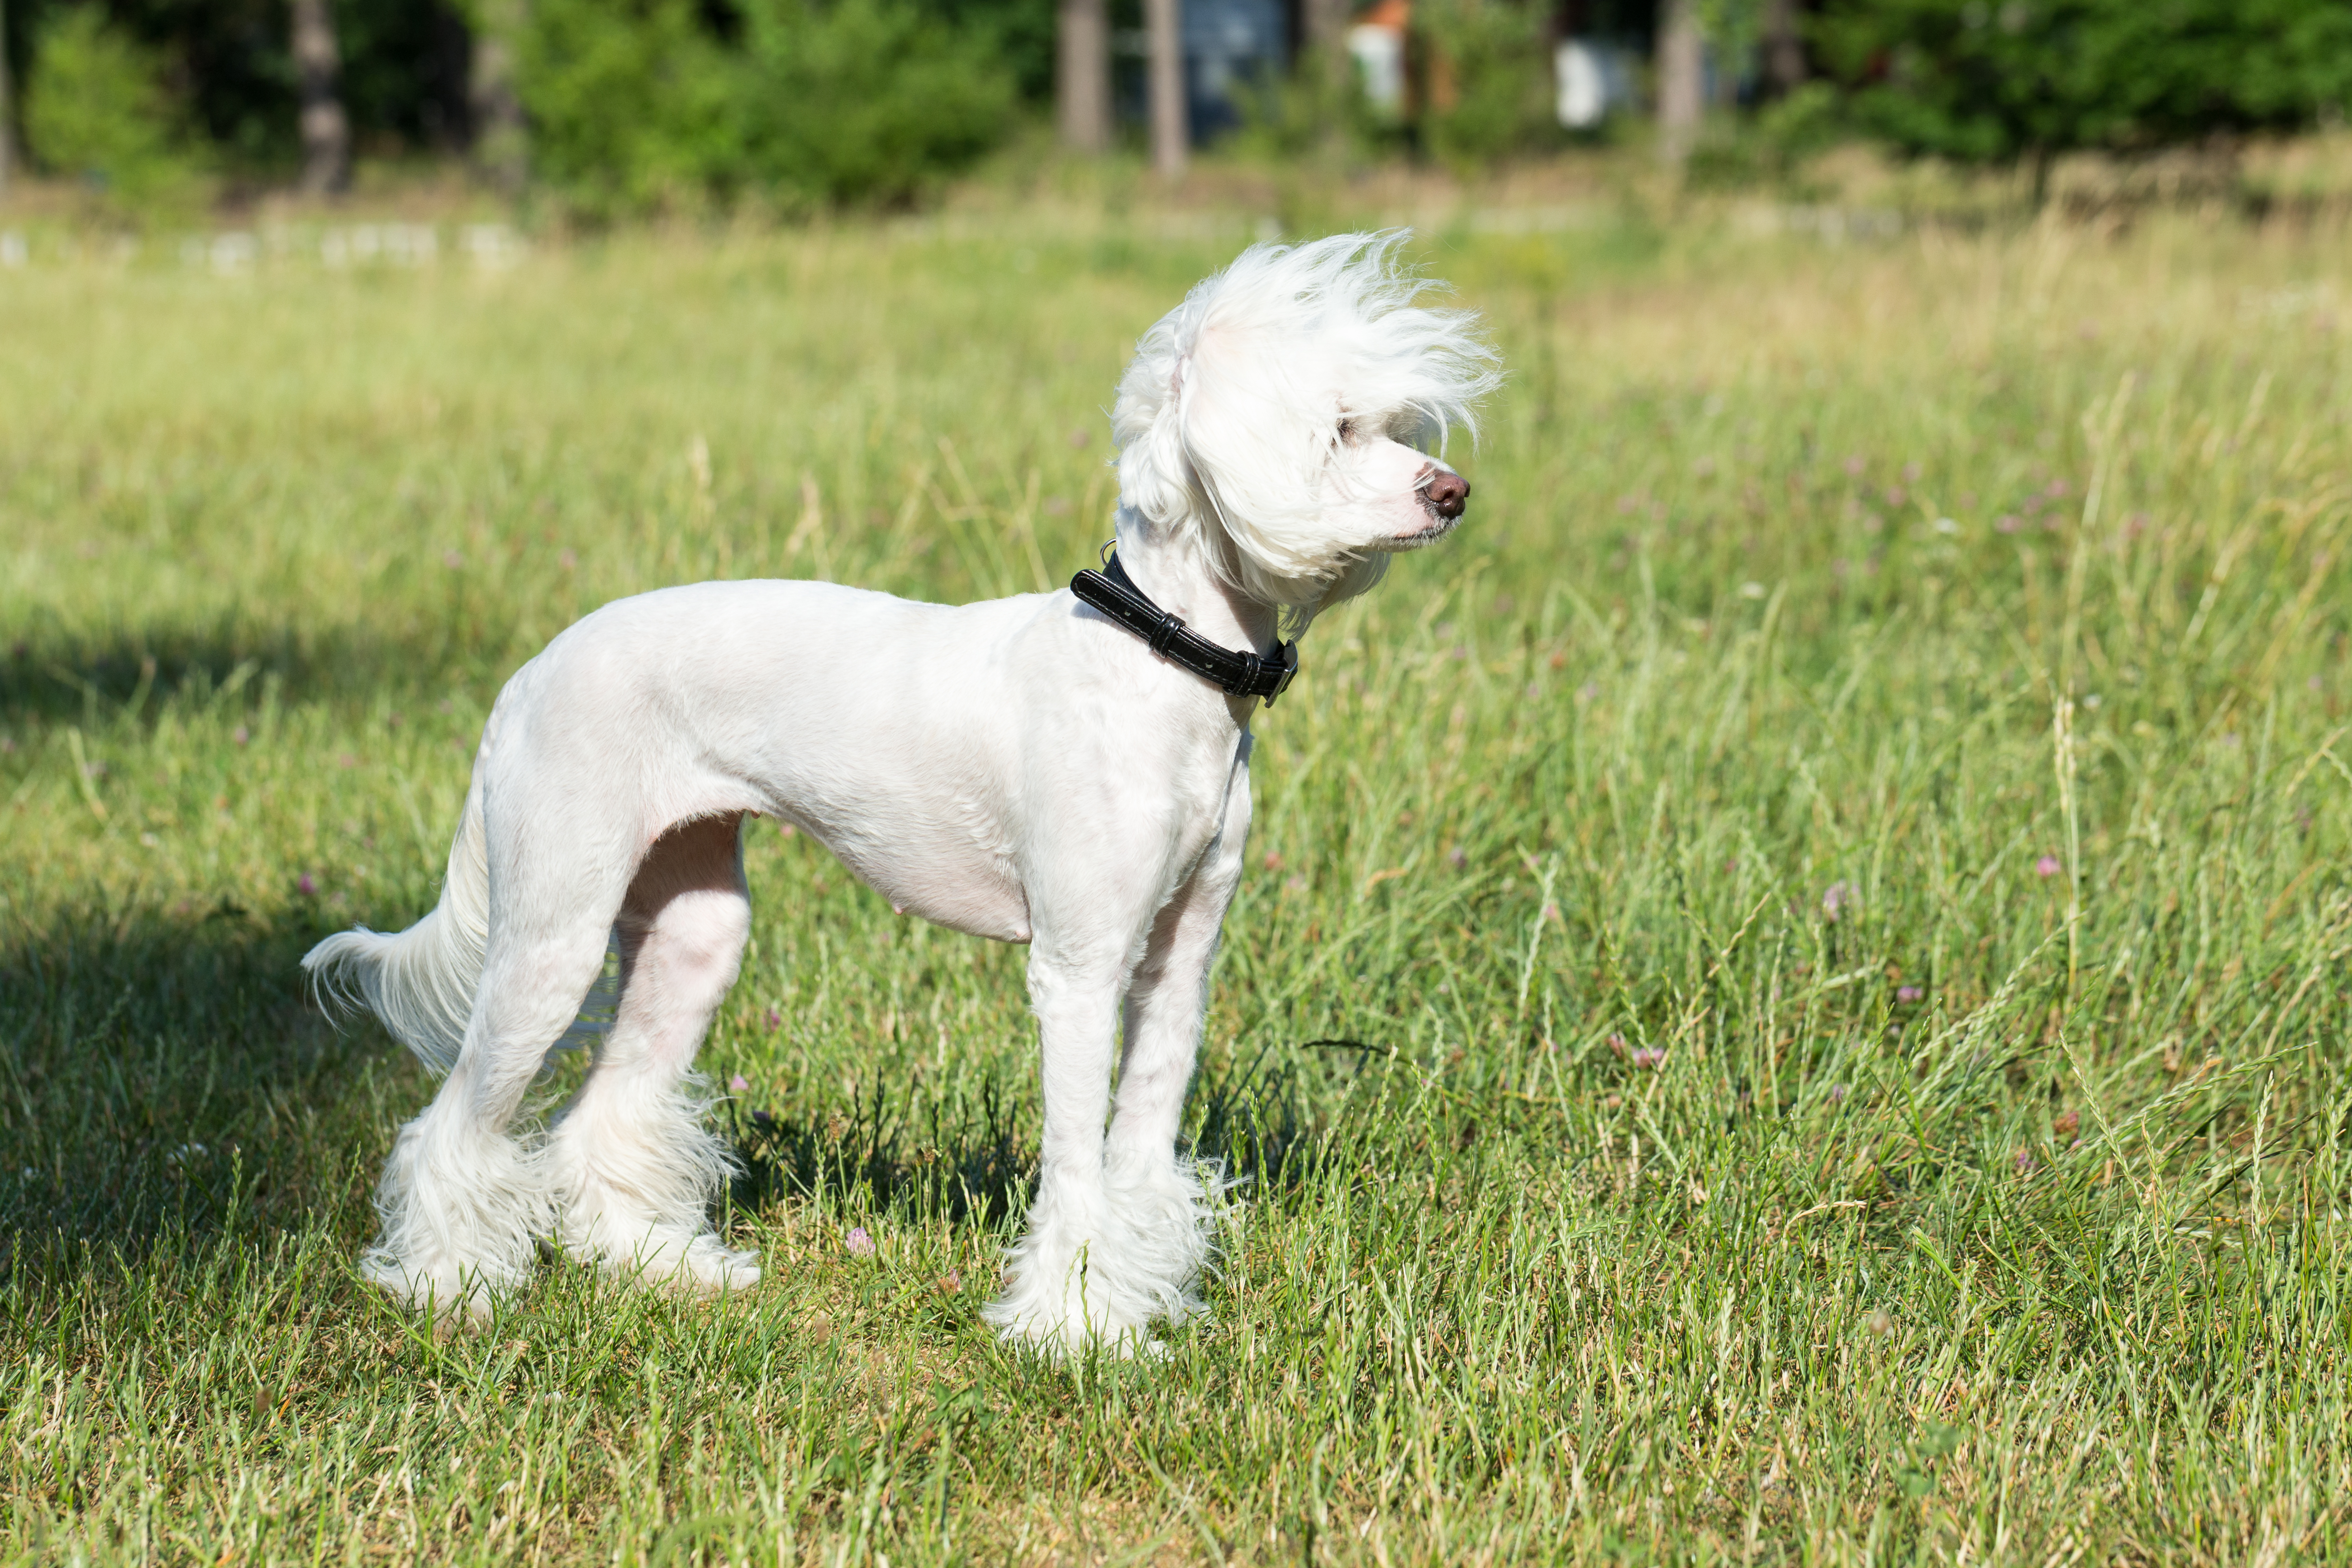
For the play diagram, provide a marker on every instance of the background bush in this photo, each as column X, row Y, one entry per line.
column 632, row 105
column 97, row 110
column 1502, row 100
column 1992, row 79
column 855, row 100
column 643, row 105
column 403, row 77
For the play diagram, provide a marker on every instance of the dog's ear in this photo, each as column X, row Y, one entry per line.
column 1155, row 472
column 1155, row 476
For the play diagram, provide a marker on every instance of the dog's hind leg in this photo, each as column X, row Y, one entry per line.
column 633, row 1167
column 462, row 1203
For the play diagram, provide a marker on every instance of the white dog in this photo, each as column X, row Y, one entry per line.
column 1031, row 769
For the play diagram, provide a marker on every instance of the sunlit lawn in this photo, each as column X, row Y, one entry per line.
column 1789, row 1004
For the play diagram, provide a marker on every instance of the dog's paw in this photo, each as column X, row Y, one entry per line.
column 698, row 1265
column 1061, row 1337
column 1065, row 1323
column 711, row 1267
column 456, row 1298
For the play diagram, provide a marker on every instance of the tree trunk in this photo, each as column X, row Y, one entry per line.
column 318, row 70
column 501, row 138
column 1170, row 131
column 1682, row 79
column 1784, row 48
column 1326, row 26
column 7, row 147
column 1082, row 82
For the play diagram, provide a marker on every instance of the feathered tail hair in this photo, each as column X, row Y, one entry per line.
column 420, row 981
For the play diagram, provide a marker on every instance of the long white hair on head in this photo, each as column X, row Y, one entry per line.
column 1229, row 419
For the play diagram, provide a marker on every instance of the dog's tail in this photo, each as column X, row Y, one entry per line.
column 420, row 981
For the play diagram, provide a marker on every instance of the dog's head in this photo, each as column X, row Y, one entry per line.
column 1294, row 409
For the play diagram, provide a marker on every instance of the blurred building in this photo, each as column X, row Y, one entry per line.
column 1230, row 45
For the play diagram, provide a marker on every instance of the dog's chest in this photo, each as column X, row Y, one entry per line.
column 946, row 859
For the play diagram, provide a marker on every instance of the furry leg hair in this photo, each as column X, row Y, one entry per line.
column 632, row 1165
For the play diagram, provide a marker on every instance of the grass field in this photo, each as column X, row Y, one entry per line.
column 1789, row 1004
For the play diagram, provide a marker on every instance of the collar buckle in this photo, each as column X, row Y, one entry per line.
column 1289, row 652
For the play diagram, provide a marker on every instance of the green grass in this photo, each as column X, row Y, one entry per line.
column 1844, row 997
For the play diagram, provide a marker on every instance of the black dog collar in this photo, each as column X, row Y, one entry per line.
column 1250, row 674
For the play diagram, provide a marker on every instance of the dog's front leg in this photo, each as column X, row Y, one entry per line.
column 1119, row 1228
column 1166, row 1206
column 1067, row 1280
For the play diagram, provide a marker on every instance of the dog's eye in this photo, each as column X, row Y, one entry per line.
column 1347, row 431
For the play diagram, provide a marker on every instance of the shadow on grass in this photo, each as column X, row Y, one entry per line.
column 164, row 1083
column 970, row 1164
column 49, row 675
column 163, row 1076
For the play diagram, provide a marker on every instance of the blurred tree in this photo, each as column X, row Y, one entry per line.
column 852, row 101
column 1682, row 79
column 326, row 129
column 7, row 105
column 2003, row 79
column 637, row 104
column 501, row 142
column 633, row 104
column 1487, row 91
column 231, row 67
column 97, row 110
column 1082, row 82
column 1171, row 134
column 1022, row 34
column 1323, row 27
column 1783, row 47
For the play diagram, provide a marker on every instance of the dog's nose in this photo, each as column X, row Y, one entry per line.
column 1448, row 493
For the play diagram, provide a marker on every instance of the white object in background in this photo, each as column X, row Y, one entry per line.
column 1379, row 63
column 13, row 250
column 1583, row 83
column 491, row 244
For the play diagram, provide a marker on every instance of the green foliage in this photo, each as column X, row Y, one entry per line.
column 1501, row 78
column 404, row 72
column 1300, row 121
column 1992, row 79
column 1801, row 124
column 1733, row 27
column 96, row 109
column 845, row 102
column 1020, row 33
column 639, row 105
column 1772, row 147
column 633, row 104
